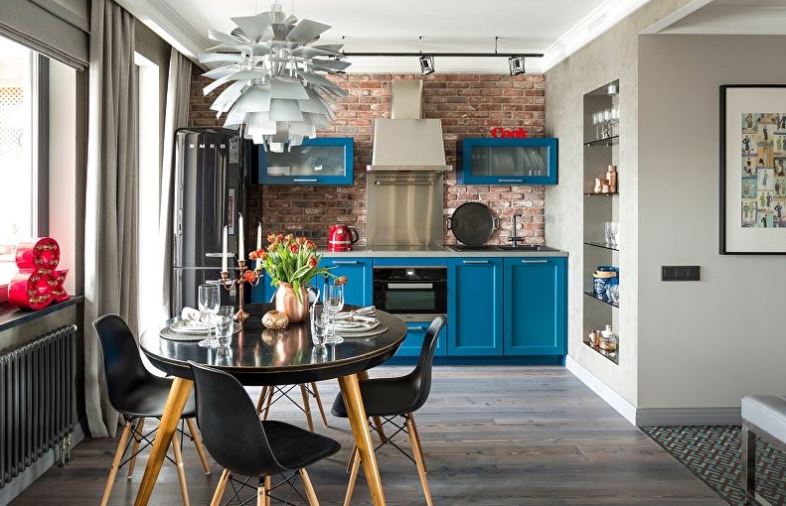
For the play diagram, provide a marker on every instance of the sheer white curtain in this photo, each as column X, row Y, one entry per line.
column 177, row 108
column 110, row 195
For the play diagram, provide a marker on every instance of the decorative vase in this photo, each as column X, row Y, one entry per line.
column 287, row 302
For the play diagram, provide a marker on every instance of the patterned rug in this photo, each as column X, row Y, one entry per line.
column 714, row 454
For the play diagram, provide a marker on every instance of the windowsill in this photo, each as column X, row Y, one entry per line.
column 11, row 317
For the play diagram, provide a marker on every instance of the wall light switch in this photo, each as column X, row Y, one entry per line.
column 680, row 273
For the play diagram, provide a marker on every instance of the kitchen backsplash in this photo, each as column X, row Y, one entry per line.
column 469, row 105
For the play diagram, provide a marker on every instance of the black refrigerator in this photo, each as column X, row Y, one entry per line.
column 210, row 179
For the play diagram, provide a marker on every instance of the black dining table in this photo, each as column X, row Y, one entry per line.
column 265, row 357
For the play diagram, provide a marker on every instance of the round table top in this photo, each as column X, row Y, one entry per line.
column 259, row 356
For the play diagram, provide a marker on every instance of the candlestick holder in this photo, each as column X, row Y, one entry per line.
column 245, row 275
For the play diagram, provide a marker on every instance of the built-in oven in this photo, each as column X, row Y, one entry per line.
column 411, row 293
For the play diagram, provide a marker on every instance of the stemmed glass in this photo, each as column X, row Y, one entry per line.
column 319, row 326
column 333, row 301
column 209, row 302
column 225, row 323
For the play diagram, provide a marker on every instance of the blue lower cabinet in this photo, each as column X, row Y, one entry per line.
column 263, row 292
column 358, row 290
column 535, row 306
column 475, row 307
column 416, row 332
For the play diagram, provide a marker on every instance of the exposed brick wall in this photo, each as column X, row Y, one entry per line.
column 468, row 105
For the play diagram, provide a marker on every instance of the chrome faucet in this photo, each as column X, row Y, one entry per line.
column 514, row 238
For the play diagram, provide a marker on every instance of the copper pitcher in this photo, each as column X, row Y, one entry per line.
column 287, row 302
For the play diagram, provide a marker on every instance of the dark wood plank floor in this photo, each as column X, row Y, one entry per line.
column 492, row 436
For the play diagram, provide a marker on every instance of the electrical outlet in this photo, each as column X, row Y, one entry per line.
column 680, row 273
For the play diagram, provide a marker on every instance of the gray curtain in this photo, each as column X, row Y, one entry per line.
column 177, row 107
column 110, row 195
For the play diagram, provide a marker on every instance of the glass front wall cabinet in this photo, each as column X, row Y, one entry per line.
column 319, row 161
column 531, row 160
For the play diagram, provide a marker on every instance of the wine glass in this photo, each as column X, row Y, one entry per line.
column 224, row 323
column 333, row 301
column 319, row 325
column 209, row 303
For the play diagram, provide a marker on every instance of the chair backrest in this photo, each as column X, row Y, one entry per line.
column 123, row 367
column 230, row 425
column 421, row 375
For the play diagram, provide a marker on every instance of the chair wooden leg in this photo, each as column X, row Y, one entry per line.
column 121, row 449
column 181, row 469
column 270, row 393
column 749, row 461
column 268, row 488
column 415, row 444
column 307, row 407
column 140, row 427
column 354, row 467
column 262, row 492
column 310, row 494
column 261, row 400
column 352, row 457
column 220, row 488
column 200, row 448
column 417, row 436
column 319, row 403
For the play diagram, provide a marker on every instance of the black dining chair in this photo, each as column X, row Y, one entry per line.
column 246, row 446
column 390, row 398
column 271, row 395
column 137, row 394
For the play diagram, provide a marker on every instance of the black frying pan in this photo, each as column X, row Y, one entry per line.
column 472, row 223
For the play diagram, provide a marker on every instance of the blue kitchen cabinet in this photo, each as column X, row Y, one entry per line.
column 535, row 309
column 358, row 290
column 531, row 160
column 416, row 332
column 318, row 161
column 263, row 292
column 475, row 307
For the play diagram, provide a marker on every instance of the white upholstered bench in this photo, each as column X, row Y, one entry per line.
column 763, row 416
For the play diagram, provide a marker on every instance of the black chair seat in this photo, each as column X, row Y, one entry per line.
column 149, row 398
column 383, row 397
column 296, row 448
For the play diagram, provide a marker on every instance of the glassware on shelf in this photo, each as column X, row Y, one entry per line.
column 333, row 300
column 209, row 299
column 611, row 233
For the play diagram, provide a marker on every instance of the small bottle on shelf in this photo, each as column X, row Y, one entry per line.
column 608, row 341
column 611, row 177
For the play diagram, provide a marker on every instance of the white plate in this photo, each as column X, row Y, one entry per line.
column 349, row 327
column 369, row 333
column 190, row 327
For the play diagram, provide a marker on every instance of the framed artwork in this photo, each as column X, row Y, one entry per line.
column 753, row 169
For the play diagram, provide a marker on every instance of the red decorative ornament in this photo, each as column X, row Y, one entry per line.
column 38, row 282
column 508, row 133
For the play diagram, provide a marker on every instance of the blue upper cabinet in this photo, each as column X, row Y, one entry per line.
column 475, row 307
column 531, row 160
column 535, row 306
column 319, row 161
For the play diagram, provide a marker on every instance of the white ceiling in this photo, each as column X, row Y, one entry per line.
column 555, row 27
column 733, row 17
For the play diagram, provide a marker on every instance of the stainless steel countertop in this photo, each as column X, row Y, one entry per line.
column 417, row 252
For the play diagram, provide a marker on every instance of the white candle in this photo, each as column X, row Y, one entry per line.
column 224, row 252
column 241, row 232
column 259, row 236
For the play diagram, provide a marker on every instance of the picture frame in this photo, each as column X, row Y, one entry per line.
column 752, row 169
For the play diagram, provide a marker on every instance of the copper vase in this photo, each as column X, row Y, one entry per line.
column 287, row 302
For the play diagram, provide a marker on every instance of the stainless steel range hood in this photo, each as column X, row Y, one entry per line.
column 406, row 141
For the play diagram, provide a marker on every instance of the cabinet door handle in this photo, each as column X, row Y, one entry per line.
column 509, row 180
column 345, row 262
column 305, row 180
column 476, row 261
column 534, row 261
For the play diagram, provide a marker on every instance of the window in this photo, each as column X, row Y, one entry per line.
column 18, row 151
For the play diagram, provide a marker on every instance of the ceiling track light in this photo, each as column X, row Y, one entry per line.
column 516, row 65
column 426, row 64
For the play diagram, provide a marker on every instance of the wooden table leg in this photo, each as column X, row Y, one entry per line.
column 363, row 376
column 173, row 410
column 350, row 389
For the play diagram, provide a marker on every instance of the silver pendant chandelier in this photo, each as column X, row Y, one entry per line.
column 278, row 93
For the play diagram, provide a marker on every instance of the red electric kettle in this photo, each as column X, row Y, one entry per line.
column 342, row 237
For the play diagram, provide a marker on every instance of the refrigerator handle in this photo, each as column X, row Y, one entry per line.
column 230, row 254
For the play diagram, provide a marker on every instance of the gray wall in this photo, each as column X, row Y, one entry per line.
column 701, row 344
column 611, row 56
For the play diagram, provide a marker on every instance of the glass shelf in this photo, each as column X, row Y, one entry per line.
column 602, row 245
column 613, row 356
column 608, row 141
column 592, row 296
